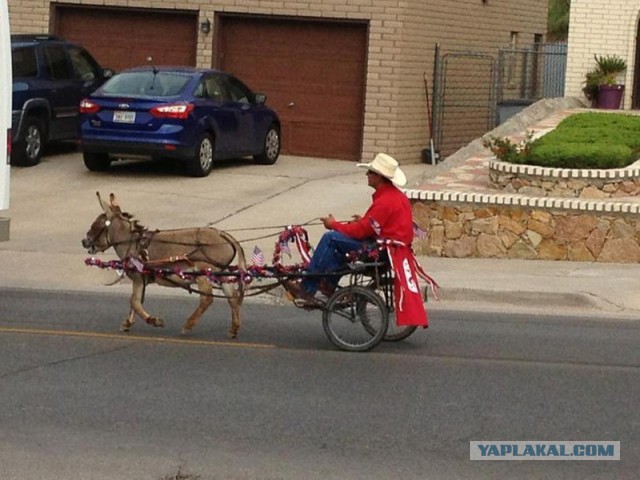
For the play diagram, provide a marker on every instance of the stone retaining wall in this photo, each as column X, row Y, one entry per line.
column 565, row 182
column 514, row 226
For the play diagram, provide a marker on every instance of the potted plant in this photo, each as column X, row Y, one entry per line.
column 602, row 83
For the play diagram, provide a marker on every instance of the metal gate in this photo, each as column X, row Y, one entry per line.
column 474, row 92
column 464, row 99
column 532, row 73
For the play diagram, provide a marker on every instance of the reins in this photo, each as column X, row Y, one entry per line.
column 311, row 222
column 141, row 238
column 136, row 259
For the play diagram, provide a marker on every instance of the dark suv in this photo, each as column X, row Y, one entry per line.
column 50, row 77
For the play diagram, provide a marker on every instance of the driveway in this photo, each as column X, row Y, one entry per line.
column 54, row 203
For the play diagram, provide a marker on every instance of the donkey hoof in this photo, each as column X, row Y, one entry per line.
column 185, row 331
column 155, row 321
column 232, row 334
column 125, row 328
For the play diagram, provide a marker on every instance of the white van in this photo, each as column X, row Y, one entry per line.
column 5, row 118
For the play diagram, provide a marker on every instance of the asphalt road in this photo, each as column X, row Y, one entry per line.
column 82, row 401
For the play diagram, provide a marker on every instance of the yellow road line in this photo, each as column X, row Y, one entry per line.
column 129, row 337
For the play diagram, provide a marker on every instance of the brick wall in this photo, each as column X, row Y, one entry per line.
column 600, row 28
column 401, row 47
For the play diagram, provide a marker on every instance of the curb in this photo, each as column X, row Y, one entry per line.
column 583, row 301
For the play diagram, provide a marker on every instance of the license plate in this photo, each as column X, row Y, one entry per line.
column 124, row 117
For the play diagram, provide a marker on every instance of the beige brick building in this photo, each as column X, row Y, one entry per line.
column 603, row 28
column 346, row 76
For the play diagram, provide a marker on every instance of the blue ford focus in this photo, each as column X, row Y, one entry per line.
column 190, row 114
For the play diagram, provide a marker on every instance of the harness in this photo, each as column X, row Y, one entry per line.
column 138, row 258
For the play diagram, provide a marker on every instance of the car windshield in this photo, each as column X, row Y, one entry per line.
column 147, row 83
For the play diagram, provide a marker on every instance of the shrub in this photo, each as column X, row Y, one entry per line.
column 606, row 72
column 585, row 140
column 507, row 151
column 611, row 66
column 576, row 155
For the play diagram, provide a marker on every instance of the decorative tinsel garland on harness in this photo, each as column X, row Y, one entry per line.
column 278, row 271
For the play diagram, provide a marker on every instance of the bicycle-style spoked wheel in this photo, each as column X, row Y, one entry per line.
column 395, row 332
column 355, row 319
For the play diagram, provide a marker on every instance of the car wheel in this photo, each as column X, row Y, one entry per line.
column 200, row 165
column 96, row 162
column 28, row 152
column 271, row 147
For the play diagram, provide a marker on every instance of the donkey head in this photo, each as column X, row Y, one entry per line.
column 97, row 238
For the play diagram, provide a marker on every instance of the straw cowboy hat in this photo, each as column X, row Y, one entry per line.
column 387, row 166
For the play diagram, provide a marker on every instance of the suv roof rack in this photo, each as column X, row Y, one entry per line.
column 35, row 37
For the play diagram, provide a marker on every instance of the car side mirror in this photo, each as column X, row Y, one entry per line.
column 260, row 98
column 108, row 73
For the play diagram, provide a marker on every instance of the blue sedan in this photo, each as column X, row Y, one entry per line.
column 190, row 114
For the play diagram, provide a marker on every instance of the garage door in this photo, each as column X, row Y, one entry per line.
column 313, row 74
column 125, row 38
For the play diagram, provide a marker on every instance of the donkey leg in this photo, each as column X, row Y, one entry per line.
column 136, row 304
column 128, row 322
column 234, row 296
column 206, row 300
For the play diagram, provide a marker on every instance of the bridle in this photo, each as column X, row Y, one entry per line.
column 135, row 238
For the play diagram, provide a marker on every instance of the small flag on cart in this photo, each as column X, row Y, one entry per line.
column 284, row 248
column 257, row 257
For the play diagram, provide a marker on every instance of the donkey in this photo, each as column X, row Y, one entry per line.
column 181, row 250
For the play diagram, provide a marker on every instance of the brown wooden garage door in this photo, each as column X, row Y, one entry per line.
column 313, row 74
column 120, row 39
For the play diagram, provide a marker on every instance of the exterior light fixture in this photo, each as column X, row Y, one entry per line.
column 205, row 26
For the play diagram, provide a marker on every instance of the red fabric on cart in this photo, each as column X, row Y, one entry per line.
column 408, row 302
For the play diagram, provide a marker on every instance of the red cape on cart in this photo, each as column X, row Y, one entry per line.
column 409, row 304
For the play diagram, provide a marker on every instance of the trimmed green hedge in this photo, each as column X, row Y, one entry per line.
column 584, row 140
column 585, row 155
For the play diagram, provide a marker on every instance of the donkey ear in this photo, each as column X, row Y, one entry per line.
column 103, row 204
column 114, row 201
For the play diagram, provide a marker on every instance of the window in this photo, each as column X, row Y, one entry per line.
column 147, row 83
column 510, row 74
column 23, row 63
column 83, row 64
column 514, row 40
column 56, row 61
column 215, row 89
column 238, row 91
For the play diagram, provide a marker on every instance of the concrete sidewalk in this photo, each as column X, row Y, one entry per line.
column 54, row 203
column 484, row 284
column 545, row 286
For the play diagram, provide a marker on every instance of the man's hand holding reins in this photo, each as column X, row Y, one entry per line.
column 328, row 221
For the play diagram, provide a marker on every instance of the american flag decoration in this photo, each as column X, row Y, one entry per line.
column 284, row 248
column 257, row 257
column 418, row 232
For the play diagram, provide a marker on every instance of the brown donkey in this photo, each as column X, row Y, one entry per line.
column 182, row 250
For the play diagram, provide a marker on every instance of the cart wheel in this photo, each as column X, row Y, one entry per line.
column 355, row 319
column 395, row 332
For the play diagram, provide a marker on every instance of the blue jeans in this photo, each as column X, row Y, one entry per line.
column 330, row 255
